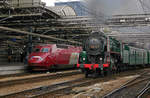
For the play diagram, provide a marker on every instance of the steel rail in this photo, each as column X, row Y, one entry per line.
column 14, row 75
column 38, row 78
column 129, row 83
column 51, row 89
column 34, row 92
column 42, row 95
column 145, row 89
column 68, row 87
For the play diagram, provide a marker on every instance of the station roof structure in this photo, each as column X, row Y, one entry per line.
column 63, row 10
column 130, row 28
column 61, row 25
column 19, row 20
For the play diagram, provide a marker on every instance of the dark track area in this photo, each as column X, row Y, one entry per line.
column 14, row 75
column 51, row 90
column 62, row 87
column 34, row 72
column 34, row 79
column 145, row 92
column 131, row 89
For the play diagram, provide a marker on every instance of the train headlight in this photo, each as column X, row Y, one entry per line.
column 101, row 59
column 83, row 59
column 37, row 57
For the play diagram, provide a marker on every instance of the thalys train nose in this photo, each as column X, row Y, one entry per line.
column 35, row 59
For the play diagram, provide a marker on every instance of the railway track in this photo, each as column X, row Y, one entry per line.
column 14, row 75
column 145, row 92
column 44, row 91
column 132, row 88
column 52, row 90
column 33, row 73
column 37, row 78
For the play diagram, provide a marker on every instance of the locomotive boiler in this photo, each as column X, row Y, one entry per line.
column 95, row 47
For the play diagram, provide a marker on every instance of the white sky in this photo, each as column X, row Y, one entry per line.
column 51, row 2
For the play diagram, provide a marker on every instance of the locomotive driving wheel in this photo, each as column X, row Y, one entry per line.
column 107, row 71
column 86, row 71
column 86, row 74
column 114, row 65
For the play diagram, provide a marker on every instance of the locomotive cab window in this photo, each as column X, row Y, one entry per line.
column 45, row 50
column 36, row 50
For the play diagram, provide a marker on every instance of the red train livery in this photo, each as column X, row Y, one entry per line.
column 45, row 57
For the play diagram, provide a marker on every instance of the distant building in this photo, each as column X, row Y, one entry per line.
column 64, row 10
column 78, row 6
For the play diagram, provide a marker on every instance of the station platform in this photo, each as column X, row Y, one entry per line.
column 12, row 68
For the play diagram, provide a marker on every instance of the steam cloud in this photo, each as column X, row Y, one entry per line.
column 115, row 7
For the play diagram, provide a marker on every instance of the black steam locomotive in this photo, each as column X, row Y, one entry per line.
column 103, row 55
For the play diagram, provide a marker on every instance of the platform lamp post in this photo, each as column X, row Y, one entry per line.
column 30, row 42
column 28, row 49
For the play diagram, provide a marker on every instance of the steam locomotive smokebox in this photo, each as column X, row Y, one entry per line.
column 94, row 43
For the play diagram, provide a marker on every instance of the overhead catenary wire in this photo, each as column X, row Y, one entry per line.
column 144, row 5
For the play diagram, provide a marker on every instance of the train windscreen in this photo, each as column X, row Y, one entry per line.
column 44, row 50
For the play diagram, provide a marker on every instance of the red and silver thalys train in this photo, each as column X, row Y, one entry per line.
column 45, row 57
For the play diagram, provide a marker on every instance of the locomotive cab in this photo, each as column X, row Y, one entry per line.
column 53, row 56
column 38, row 58
column 39, row 54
